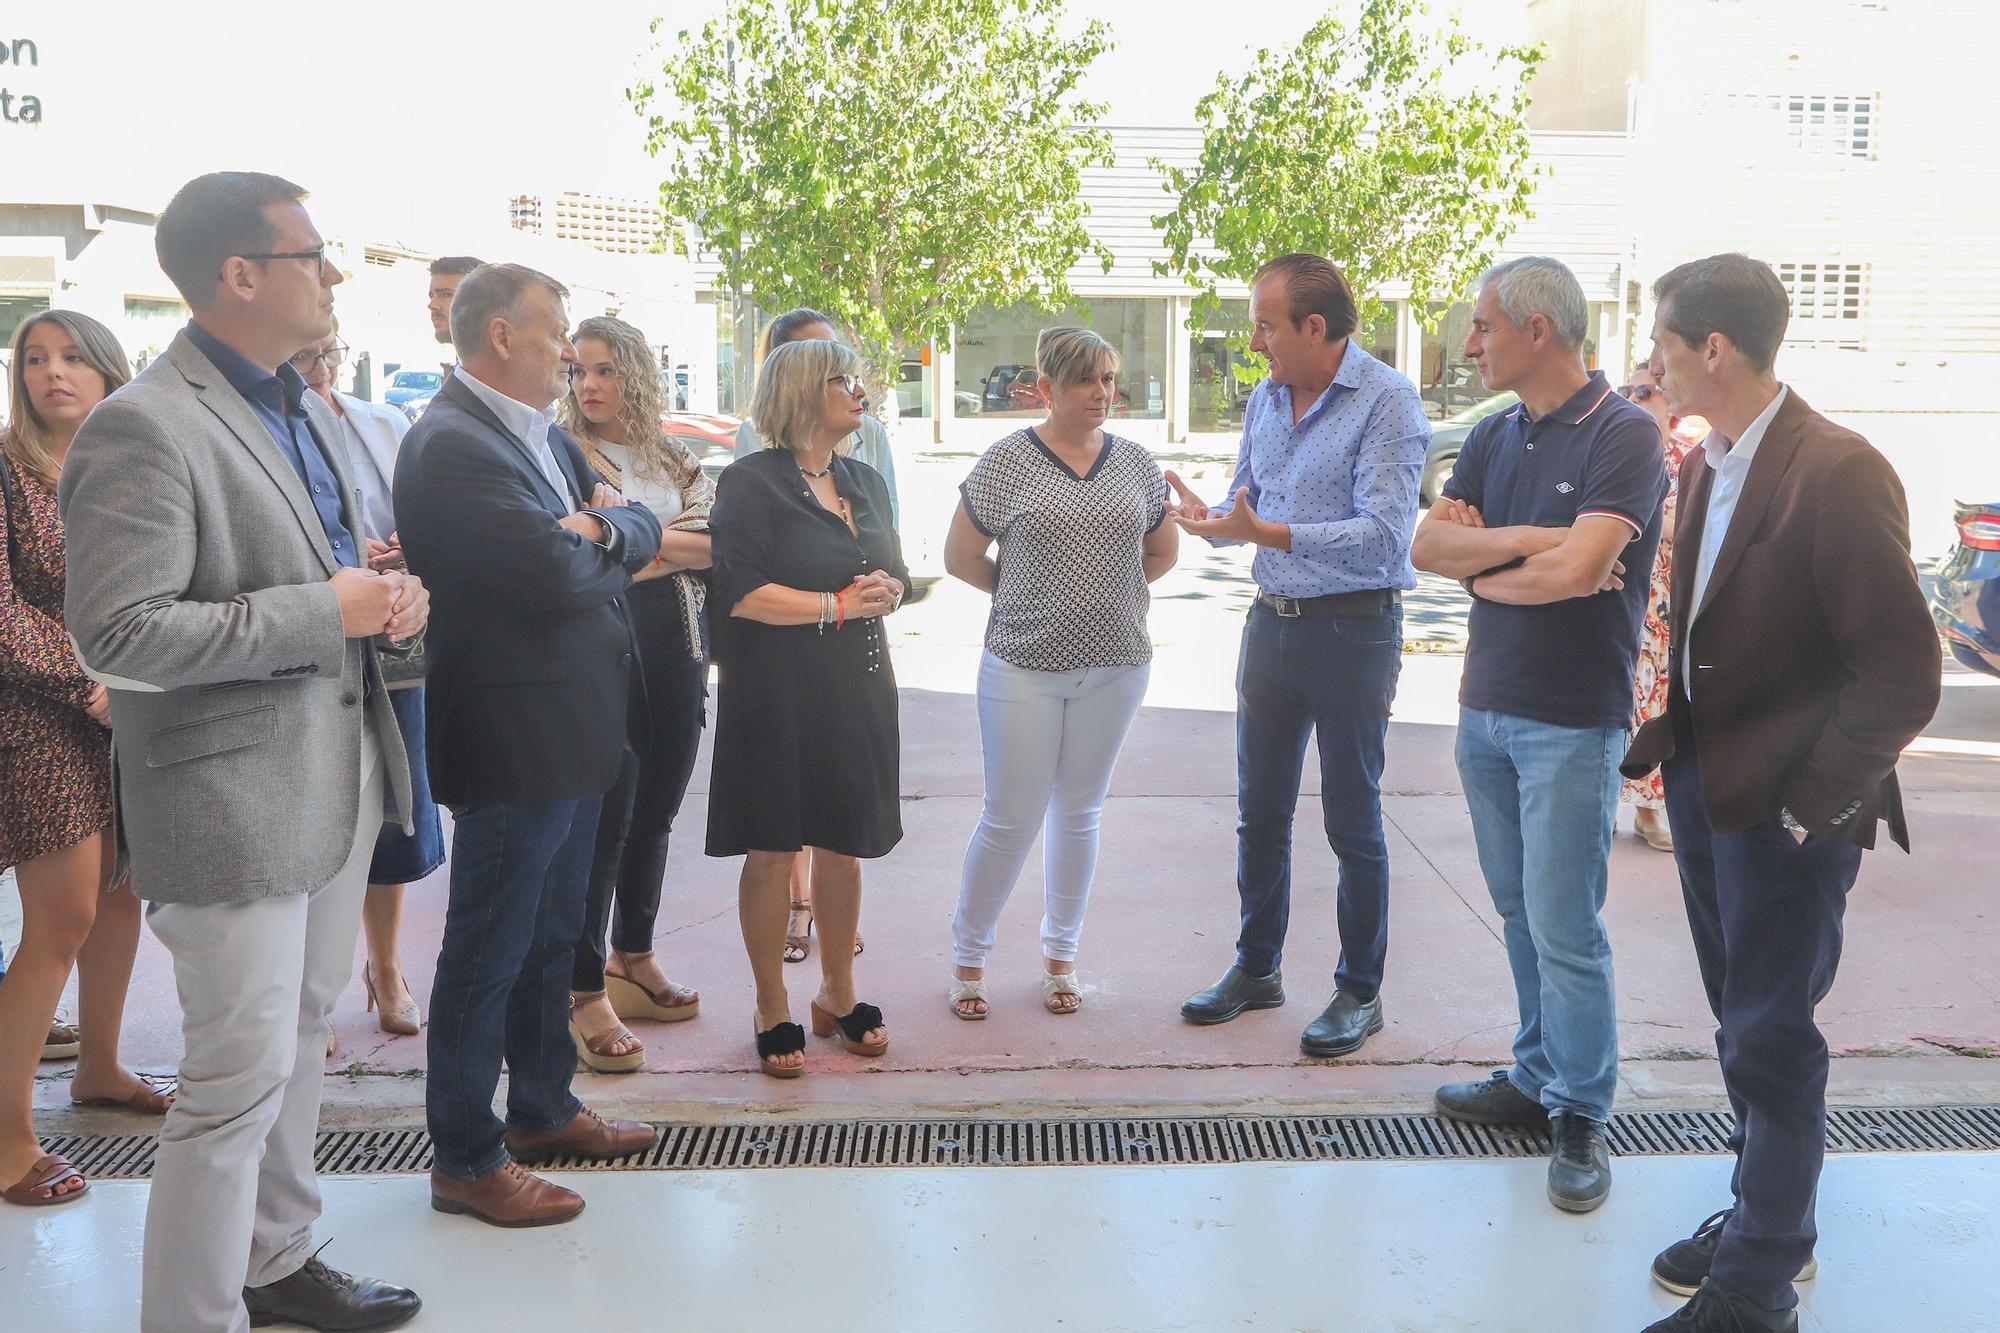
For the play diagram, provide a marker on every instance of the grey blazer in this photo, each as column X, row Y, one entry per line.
column 198, row 595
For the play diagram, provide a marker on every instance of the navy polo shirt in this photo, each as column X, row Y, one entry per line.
column 279, row 402
column 1567, row 663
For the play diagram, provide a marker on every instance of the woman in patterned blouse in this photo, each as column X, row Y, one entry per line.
column 55, row 786
column 1077, row 514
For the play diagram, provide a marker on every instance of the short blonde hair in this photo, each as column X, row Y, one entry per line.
column 1070, row 355
column 791, row 390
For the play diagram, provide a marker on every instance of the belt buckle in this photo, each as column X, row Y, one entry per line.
column 1286, row 607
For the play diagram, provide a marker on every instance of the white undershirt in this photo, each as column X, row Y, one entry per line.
column 640, row 487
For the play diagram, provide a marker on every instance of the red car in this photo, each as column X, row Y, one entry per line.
column 709, row 436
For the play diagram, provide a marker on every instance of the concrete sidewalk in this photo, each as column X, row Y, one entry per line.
column 1914, row 1018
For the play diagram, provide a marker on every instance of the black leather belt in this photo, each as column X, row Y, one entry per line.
column 1371, row 601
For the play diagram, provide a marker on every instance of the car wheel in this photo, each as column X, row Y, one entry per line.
column 1435, row 473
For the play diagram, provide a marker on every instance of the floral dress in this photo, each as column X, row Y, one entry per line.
column 1649, row 684
column 55, row 761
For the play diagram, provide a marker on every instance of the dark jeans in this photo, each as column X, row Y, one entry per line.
column 518, row 875
column 1766, row 916
column 630, row 860
column 404, row 858
column 1334, row 675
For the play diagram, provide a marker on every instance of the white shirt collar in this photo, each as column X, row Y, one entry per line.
column 527, row 424
column 1745, row 449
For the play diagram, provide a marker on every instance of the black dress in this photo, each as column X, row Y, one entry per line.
column 807, row 746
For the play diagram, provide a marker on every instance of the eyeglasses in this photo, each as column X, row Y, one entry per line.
column 849, row 384
column 317, row 255
column 332, row 358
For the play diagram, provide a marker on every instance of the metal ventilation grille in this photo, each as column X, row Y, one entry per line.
column 1163, row 1142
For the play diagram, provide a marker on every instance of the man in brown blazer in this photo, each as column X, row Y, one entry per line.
column 1803, row 661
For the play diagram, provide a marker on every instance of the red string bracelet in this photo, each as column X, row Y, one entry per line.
column 840, row 607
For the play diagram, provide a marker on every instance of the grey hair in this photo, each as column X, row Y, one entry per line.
column 1538, row 285
column 790, row 399
column 489, row 292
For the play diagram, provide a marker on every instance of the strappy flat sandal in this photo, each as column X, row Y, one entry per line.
column 601, row 1051
column 851, row 1028
column 151, row 1098
column 51, row 1170
column 630, row 999
column 779, row 1039
column 1061, row 983
column 798, row 948
column 962, row 990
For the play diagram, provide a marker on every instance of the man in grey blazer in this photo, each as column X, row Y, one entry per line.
column 218, row 588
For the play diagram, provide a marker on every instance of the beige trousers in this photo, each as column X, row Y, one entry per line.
column 234, row 1192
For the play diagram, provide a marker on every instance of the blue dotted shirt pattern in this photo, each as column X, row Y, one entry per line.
column 1345, row 478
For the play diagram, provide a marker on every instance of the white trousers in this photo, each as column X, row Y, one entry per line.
column 234, row 1193
column 1051, row 739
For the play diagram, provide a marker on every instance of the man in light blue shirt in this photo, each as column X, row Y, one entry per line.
column 1326, row 489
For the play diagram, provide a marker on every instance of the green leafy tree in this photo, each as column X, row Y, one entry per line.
column 1397, row 148
column 895, row 163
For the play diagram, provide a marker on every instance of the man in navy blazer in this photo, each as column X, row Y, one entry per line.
column 532, row 681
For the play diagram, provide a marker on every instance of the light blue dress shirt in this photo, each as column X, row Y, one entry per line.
column 1731, row 470
column 1344, row 477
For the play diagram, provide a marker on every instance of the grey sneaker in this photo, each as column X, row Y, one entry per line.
column 1491, row 1101
column 1580, row 1166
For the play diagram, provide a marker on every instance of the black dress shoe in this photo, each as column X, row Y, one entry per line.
column 1237, row 991
column 1718, row 1310
column 1683, row 1266
column 1580, row 1166
column 1344, row 1027
column 1491, row 1101
column 327, row 1299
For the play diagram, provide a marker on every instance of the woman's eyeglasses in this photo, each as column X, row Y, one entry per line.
column 332, row 358
column 849, row 384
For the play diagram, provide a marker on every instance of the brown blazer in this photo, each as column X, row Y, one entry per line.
column 1815, row 661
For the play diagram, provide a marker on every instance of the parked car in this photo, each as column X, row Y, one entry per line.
column 709, row 436
column 411, row 391
column 996, row 390
column 1965, row 600
column 1448, row 437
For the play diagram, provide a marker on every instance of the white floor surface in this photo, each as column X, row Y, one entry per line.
column 1908, row 1243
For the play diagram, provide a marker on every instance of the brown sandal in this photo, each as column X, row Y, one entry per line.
column 600, row 1052
column 630, row 999
column 151, row 1099
column 798, row 948
column 52, row 1170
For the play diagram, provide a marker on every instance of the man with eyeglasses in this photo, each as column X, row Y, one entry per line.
column 219, row 588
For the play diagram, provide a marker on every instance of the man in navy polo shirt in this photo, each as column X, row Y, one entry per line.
column 1550, row 503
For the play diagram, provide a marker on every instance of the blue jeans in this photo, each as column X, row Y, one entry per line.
column 518, row 878
column 1334, row 676
column 1543, row 799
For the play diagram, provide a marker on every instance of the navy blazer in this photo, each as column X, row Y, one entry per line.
column 534, row 689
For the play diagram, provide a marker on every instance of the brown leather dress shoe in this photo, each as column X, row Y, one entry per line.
column 509, row 1197
column 587, row 1135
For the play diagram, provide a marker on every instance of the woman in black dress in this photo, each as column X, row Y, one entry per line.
column 807, row 748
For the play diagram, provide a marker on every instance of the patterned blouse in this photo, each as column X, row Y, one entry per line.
column 1071, row 591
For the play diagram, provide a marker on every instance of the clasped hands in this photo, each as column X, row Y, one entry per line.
column 1534, row 540
column 1242, row 523
column 875, row 593
column 389, row 601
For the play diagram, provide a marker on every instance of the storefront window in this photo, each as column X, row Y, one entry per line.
column 1446, row 379
column 14, row 311
column 995, row 357
column 1218, row 356
column 149, row 326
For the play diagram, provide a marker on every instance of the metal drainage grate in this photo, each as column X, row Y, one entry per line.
column 1164, row 1142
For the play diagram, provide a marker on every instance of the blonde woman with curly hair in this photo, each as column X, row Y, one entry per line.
column 613, row 409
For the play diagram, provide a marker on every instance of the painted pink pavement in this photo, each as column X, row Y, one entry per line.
column 1916, row 1009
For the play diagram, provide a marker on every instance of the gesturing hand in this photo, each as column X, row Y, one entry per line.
column 1240, row 524
column 1189, row 505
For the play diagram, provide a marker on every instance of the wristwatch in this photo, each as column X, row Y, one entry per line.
column 1798, row 831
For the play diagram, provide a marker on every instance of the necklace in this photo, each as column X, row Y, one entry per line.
column 817, row 475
